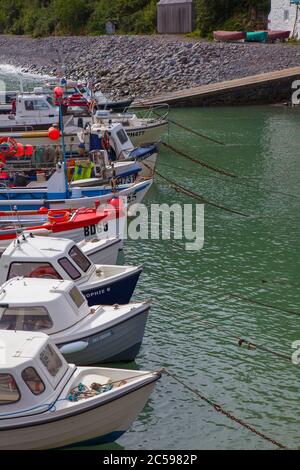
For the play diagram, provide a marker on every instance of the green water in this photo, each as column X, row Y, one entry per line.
column 262, row 148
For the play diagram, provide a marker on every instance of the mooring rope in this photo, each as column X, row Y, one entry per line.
column 262, row 304
column 234, row 181
column 197, row 196
column 188, row 129
column 199, row 162
column 240, row 341
column 192, row 131
column 221, row 410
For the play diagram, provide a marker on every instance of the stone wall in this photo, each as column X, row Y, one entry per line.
column 273, row 92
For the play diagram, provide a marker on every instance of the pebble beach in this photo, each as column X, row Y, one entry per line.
column 143, row 66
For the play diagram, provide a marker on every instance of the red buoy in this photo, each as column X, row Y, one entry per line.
column 58, row 91
column 28, row 150
column 53, row 133
column 20, row 150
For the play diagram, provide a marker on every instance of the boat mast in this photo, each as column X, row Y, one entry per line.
column 59, row 98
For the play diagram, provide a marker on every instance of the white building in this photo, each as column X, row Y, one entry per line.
column 285, row 15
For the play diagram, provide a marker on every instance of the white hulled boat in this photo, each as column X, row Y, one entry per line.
column 83, row 334
column 47, row 403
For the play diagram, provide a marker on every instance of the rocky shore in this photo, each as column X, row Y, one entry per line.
column 144, row 66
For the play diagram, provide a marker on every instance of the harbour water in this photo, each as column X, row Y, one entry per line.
column 253, row 256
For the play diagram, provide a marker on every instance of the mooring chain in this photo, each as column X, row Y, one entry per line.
column 197, row 196
column 199, row 162
column 221, row 410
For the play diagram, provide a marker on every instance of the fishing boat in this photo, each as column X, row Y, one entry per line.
column 84, row 335
column 47, row 403
column 81, row 94
column 142, row 131
column 225, row 36
column 58, row 258
column 56, row 194
column 114, row 139
column 77, row 224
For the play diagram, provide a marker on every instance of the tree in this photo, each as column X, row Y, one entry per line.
column 72, row 15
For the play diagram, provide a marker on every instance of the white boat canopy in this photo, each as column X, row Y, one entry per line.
column 48, row 257
column 41, row 305
column 31, row 368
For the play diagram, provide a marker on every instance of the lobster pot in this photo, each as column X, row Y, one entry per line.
column 175, row 16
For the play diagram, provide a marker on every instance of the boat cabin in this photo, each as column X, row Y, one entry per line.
column 47, row 305
column 119, row 141
column 31, row 111
column 32, row 373
column 45, row 257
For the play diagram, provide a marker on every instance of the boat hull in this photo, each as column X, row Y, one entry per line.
column 149, row 134
column 103, row 423
column 115, row 106
column 111, row 292
column 120, row 343
column 34, row 201
column 107, row 255
column 113, row 228
column 279, row 35
column 229, row 36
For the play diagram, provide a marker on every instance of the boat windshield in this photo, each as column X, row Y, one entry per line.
column 80, row 259
column 122, row 136
column 33, row 270
column 71, row 91
column 9, row 392
column 25, row 318
column 77, row 297
column 51, row 101
column 51, row 360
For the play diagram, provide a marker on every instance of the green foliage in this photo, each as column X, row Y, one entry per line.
column 46, row 17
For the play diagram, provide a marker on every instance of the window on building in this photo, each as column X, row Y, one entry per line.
column 51, row 360
column 69, row 268
column 35, row 270
column 9, row 392
column 24, row 318
column 33, row 381
column 80, row 259
column 286, row 15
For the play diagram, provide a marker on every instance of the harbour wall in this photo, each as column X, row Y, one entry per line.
column 269, row 88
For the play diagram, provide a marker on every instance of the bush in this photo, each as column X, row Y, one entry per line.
column 44, row 17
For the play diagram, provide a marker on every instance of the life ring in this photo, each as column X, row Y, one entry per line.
column 44, row 272
column 58, row 216
column 106, row 141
